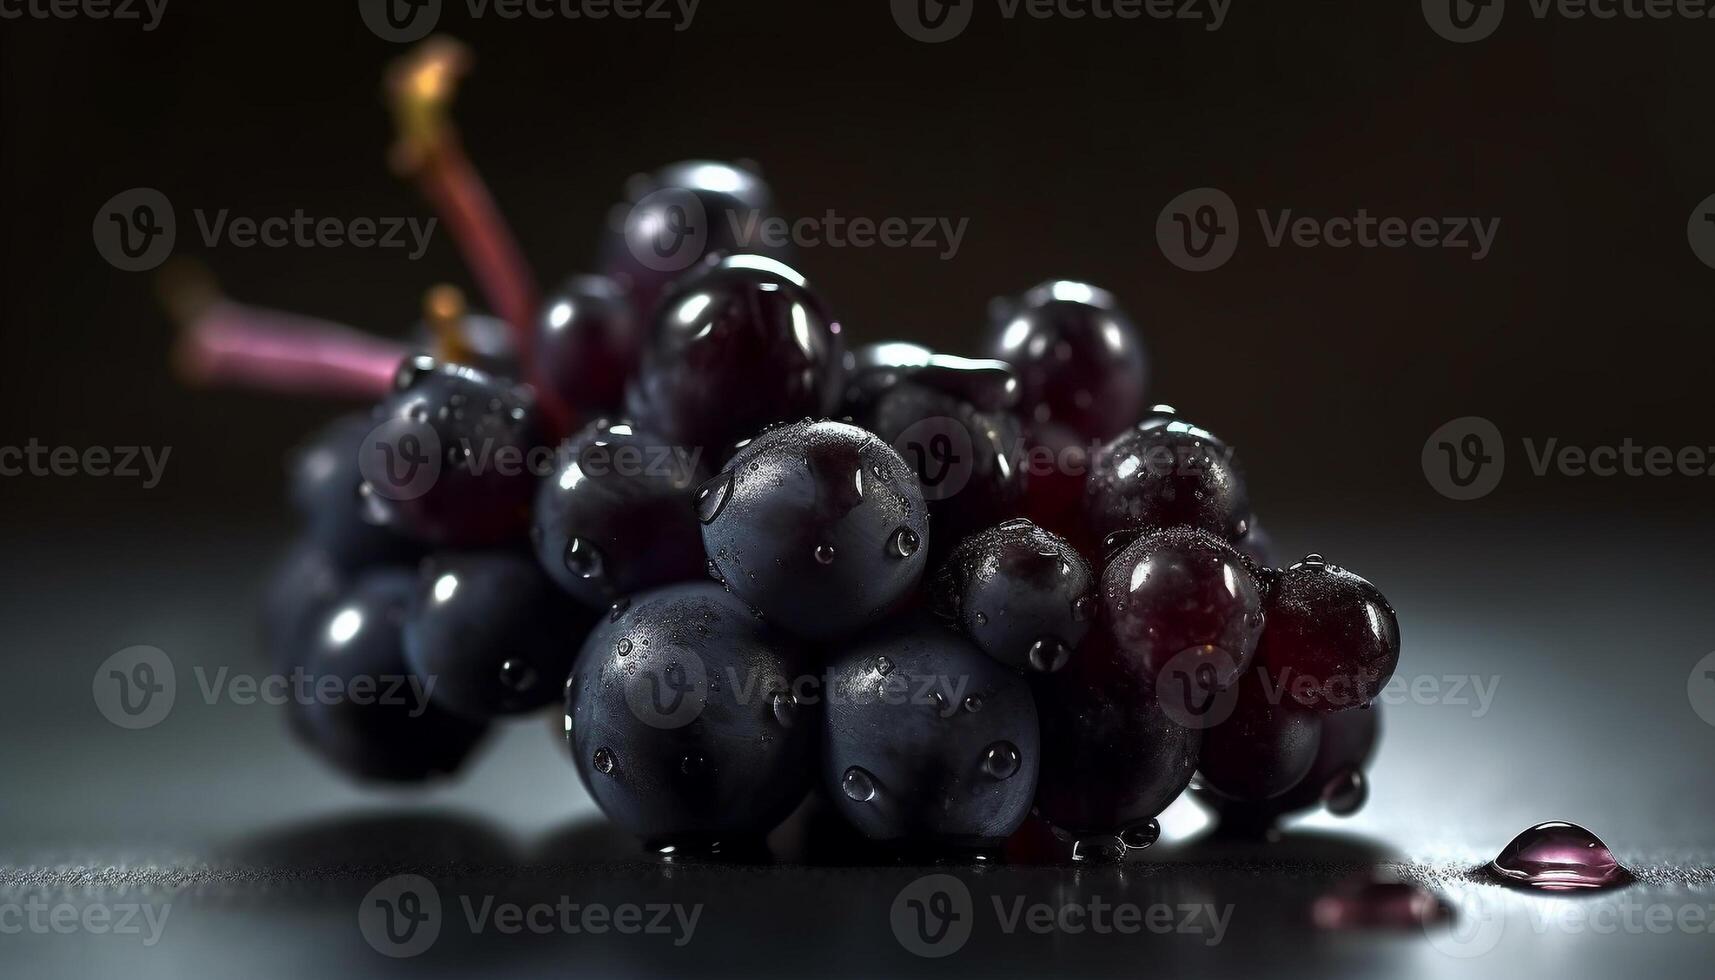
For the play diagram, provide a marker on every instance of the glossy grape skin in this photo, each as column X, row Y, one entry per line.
column 818, row 525
column 927, row 738
column 1258, row 545
column 874, row 369
column 1080, row 360
column 492, row 633
column 730, row 759
column 1057, row 462
column 1262, row 749
column 1346, row 746
column 299, row 592
column 965, row 459
column 324, row 483
column 617, row 516
column 392, row 732
column 488, row 439
column 1167, row 472
column 489, row 344
column 641, row 248
column 1332, row 639
column 1180, row 599
column 1112, row 758
column 1023, row 595
column 588, row 343
column 740, row 343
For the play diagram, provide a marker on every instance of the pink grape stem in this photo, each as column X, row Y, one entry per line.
column 232, row 344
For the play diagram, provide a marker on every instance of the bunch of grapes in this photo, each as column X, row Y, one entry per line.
column 950, row 597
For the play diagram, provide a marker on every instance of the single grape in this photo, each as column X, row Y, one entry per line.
column 325, row 484
column 1263, row 748
column 740, row 343
column 673, row 218
column 451, row 456
column 1184, row 600
column 927, row 738
column 1165, row 472
column 1332, row 640
column 819, row 525
column 301, row 589
column 588, row 342
column 362, row 709
column 491, row 633
column 1080, row 359
column 618, row 515
column 1336, row 778
column 1112, row 758
column 684, row 722
column 1023, row 595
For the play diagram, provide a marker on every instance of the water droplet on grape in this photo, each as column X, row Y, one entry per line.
column 583, row 559
column 785, row 707
column 1141, row 835
column 617, row 609
column 825, row 554
column 623, row 647
column 715, row 572
column 883, row 666
column 1346, row 793
column 974, row 704
column 604, row 760
column 1558, row 856
column 982, row 618
column 858, row 785
column 1083, row 608
column 1001, row 760
column 904, row 542
column 1100, row 849
column 694, row 764
column 712, row 497
column 1048, row 654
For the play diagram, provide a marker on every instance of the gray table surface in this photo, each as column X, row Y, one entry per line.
column 1583, row 634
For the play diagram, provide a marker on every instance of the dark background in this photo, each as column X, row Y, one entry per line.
column 1059, row 140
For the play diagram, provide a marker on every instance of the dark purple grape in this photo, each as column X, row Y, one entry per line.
column 675, row 217
column 874, row 369
column 492, row 634
column 588, row 343
column 1336, row 778
column 363, row 710
column 927, row 738
column 685, row 721
column 1332, row 640
column 1023, row 595
column 819, row 525
column 1112, row 759
column 740, row 343
column 1056, row 463
column 1080, row 360
column 449, row 460
column 1262, row 749
column 618, row 515
column 1184, row 601
column 1257, row 545
column 1167, row 472
column 302, row 588
column 965, row 460
column 325, row 481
